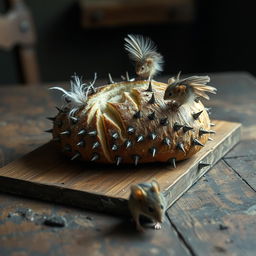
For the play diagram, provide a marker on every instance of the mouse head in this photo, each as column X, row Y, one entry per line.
column 143, row 69
column 149, row 199
column 176, row 92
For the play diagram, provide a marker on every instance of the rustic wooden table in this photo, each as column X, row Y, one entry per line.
column 215, row 217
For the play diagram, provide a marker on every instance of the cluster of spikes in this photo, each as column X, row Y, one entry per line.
column 130, row 131
column 148, row 63
column 79, row 91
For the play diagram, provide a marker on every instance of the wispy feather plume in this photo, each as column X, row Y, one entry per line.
column 139, row 47
column 198, row 84
column 188, row 89
column 143, row 51
column 78, row 94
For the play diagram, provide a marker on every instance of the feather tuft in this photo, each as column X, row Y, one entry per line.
column 198, row 84
column 143, row 50
column 139, row 47
column 78, row 94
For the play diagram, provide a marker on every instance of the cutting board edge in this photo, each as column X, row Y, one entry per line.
column 107, row 204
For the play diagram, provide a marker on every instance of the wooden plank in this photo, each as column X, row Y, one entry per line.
column 245, row 167
column 217, row 216
column 86, row 233
column 243, row 148
column 46, row 174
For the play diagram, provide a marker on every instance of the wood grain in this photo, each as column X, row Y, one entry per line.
column 217, row 216
column 46, row 174
column 86, row 233
column 245, row 167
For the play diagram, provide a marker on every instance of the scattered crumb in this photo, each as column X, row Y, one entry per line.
column 55, row 221
column 222, row 227
column 220, row 249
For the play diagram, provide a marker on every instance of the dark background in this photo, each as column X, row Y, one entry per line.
column 221, row 38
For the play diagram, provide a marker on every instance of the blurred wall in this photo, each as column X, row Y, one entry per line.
column 220, row 39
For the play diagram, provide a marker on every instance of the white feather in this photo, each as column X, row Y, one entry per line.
column 139, row 47
column 78, row 93
column 141, row 50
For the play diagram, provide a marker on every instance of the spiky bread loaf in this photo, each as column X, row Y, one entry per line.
column 129, row 122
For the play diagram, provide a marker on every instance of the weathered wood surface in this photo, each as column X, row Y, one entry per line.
column 217, row 216
column 86, row 233
column 20, row 132
column 46, row 174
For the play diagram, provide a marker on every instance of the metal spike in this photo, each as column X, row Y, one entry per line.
column 187, row 128
column 67, row 132
column 152, row 135
column 137, row 114
column 202, row 132
column 180, row 146
column 81, row 143
column 210, row 139
column 164, row 121
column 152, row 116
column 96, row 144
column 152, row 151
column 127, row 76
column 130, row 130
column 82, row 132
column 118, row 160
column 67, row 148
column 172, row 161
column 50, row 130
column 196, row 115
column 149, row 89
column 114, row 147
column 211, row 124
column 60, row 110
column 73, row 119
column 202, row 165
column 197, row 99
column 136, row 159
column 177, row 126
column 92, row 133
column 56, row 139
column 123, row 78
column 128, row 143
column 139, row 138
column 76, row 156
column 152, row 99
column 115, row 135
column 197, row 143
column 51, row 118
column 178, row 75
column 167, row 141
column 110, row 79
column 95, row 157
column 208, row 110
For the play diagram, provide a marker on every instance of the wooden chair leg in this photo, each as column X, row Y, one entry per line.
column 29, row 65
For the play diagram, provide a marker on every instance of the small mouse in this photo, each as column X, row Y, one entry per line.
column 188, row 89
column 143, row 51
column 147, row 200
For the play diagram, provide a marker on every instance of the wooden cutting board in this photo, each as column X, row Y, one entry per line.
column 46, row 174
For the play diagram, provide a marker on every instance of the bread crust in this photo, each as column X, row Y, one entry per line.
column 112, row 110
